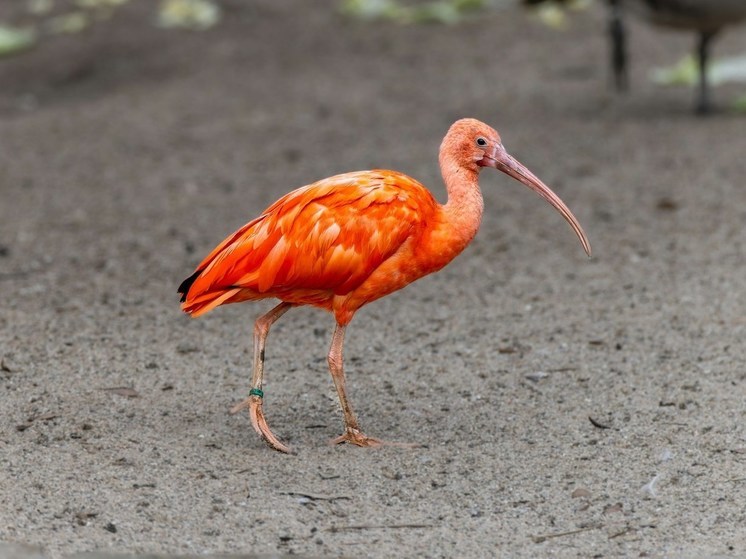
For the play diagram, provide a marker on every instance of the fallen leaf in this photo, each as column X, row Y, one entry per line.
column 93, row 4
column 124, row 391
column 616, row 507
column 39, row 7
column 597, row 424
column 436, row 11
column 666, row 204
column 14, row 40
column 188, row 14
column 71, row 23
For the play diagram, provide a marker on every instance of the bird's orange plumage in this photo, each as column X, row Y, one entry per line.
column 345, row 241
column 321, row 243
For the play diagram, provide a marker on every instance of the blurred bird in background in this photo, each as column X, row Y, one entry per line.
column 706, row 18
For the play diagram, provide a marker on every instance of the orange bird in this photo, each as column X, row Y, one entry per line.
column 345, row 241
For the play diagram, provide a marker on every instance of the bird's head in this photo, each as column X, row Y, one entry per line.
column 472, row 144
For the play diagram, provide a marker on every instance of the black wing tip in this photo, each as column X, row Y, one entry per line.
column 187, row 284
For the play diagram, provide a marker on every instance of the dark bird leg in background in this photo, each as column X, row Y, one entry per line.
column 703, row 95
column 618, row 44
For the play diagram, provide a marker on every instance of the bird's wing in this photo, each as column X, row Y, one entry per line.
column 327, row 236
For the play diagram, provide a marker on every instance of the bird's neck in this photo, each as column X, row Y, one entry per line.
column 460, row 216
column 463, row 211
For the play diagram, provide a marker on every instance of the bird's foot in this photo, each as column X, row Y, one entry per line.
column 254, row 403
column 356, row 437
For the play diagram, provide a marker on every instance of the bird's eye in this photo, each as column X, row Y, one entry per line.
column 481, row 142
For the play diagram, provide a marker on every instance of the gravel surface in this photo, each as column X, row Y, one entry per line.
column 563, row 407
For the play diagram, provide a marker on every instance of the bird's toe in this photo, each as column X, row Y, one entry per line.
column 356, row 437
column 259, row 423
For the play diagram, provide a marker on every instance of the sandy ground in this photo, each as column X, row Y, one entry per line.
column 128, row 153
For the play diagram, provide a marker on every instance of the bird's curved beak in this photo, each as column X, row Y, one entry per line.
column 503, row 161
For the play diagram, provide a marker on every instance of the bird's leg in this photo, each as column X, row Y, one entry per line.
column 254, row 401
column 703, row 95
column 352, row 433
column 618, row 41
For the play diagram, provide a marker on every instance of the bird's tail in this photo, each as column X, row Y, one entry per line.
column 187, row 284
column 196, row 304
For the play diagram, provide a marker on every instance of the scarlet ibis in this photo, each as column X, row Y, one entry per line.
column 706, row 17
column 347, row 240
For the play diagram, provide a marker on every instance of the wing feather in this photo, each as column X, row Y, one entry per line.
column 325, row 237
